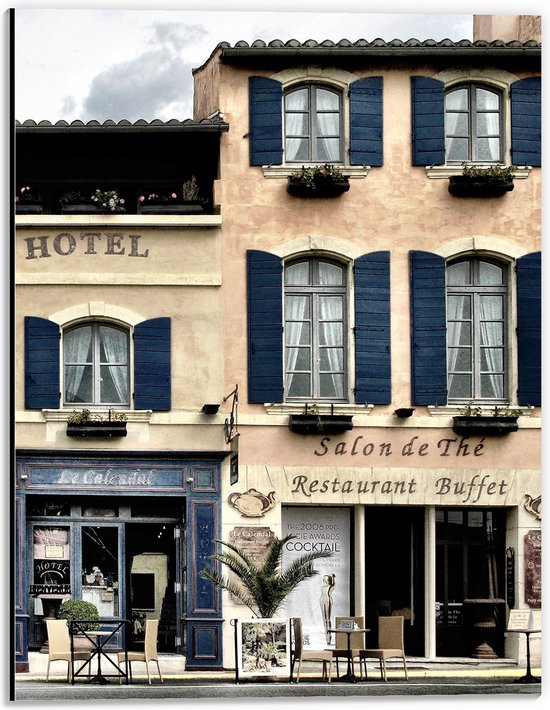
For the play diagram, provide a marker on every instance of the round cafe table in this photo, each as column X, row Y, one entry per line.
column 350, row 676
column 528, row 677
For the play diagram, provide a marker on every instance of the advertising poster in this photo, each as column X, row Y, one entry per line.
column 326, row 595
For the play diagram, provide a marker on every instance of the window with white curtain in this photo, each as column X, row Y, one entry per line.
column 315, row 330
column 473, row 124
column 313, row 125
column 96, row 365
column 476, row 331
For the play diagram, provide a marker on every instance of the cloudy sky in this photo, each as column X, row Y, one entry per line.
column 136, row 63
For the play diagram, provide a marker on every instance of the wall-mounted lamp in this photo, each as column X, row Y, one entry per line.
column 403, row 412
column 210, row 408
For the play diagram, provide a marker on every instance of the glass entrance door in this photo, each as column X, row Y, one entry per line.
column 100, row 564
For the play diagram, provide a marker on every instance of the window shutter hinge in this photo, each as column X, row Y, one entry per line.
column 177, row 641
column 177, row 533
column 177, row 587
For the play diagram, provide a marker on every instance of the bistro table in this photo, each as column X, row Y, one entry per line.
column 528, row 677
column 350, row 676
column 99, row 641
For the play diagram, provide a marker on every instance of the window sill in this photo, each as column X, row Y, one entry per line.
column 285, row 171
column 61, row 415
column 323, row 409
column 442, row 172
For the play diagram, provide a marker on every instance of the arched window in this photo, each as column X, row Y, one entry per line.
column 315, row 341
column 96, row 365
column 313, row 124
column 473, row 124
column 476, row 330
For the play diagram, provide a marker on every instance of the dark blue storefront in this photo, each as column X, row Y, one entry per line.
column 128, row 531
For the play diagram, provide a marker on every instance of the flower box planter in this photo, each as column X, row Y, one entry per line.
column 320, row 423
column 89, row 208
column 465, row 186
column 330, row 189
column 159, row 208
column 28, row 207
column 485, row 426
column 105, row 430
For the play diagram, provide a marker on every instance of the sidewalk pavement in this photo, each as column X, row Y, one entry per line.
column 426, row 677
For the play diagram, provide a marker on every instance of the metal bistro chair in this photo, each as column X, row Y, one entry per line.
column 357, row 642
column 324, row 657
column 149, row 653
column 390, row 645
column 59, row 647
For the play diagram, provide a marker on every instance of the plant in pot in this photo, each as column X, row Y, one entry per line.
column 26, row 202
column 74, row 202
column 87, row 616
column 311, row 421
column 262, row 585
column 472, row 419
column 318, row 181
column 482, row 181
column 84, row 423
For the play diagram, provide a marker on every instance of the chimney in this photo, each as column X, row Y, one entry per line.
column 508, row 28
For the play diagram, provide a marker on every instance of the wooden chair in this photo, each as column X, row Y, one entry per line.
column 390, row 645
column 357, row 642
column 59, row 647
column 324, row 657
column 149, row 653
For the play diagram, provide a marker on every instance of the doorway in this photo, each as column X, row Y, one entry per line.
column 394, row 566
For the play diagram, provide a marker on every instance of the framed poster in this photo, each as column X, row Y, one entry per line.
column 263, row 647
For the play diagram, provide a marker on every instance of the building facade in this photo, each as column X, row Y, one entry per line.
column 378, row 311
column 289, row 361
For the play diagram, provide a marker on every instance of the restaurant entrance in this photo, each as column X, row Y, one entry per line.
column 121, row 554
column 394, row 566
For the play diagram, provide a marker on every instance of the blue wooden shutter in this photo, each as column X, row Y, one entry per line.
column 428, row 328
column 42, row 390
column 428, row 121
column 528, row 272
column 372, row 328
column 525, row 96
column 366, row 124
column 265, row 325
column 152, row 365
column 265, row 98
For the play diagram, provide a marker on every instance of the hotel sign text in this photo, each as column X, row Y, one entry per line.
column 88, row 243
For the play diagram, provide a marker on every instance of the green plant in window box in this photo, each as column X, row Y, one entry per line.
column 86, row 424
column 318, row 181
column 473, row 419
column 26, row 202
column 84, row 416
column 482, row 180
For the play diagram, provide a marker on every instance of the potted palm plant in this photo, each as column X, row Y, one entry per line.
column 262, row 586
column 482, row 181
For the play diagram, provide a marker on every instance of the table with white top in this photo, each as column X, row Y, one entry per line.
column 350, row 676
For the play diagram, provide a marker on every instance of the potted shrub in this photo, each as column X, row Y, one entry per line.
column 26, row 202
column 82, row 423
column 473, row 420
column 482, row 181
column 262, row 585
column 312, row 422
column 84, row 612
column 318, row 181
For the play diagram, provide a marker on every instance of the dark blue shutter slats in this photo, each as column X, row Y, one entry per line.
column 152, row 365
column 366, row 124
column 265, row 325
column 42, row 388
column 428, row 329
column 428, row 121
column 372, row 328
column 525, row 97
column 266, row 124
column 528, row 273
